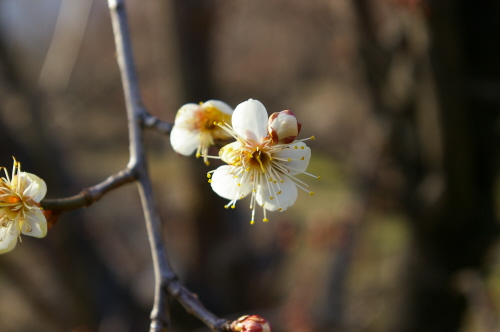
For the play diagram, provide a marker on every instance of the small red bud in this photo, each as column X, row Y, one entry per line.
column 252, row 323
column 283, row 127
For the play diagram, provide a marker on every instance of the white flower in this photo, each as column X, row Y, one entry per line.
column 194, row 128
column 20, row 210
column 258, row 166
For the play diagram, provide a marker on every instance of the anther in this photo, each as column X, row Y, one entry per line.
column 265, row 220
column 233, row 206
column 313, row 138
column 252, row 222
column 279, row 192
column 209, row 180
column 271, row 197
column 311, row 193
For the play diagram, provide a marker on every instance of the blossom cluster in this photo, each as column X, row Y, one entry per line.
column 262, row 162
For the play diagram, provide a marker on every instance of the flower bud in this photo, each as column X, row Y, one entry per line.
column 283, row 127
column 252, row 323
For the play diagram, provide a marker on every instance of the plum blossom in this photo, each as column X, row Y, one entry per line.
column 194, row 128
column 258, row 165
column 20, row 212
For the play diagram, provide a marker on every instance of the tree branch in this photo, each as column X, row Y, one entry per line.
column 152, row 122
column 90, row 195
column 165, row 279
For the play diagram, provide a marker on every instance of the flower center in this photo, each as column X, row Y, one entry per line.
column 206, row 121
column 258, row 158
column 13, row 200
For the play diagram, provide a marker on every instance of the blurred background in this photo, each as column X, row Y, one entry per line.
column 402, row 96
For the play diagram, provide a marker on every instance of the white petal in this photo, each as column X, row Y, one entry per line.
column 34, row 186
column 226, row 185
column 250, row 120
column 220, row 105
column 37, row 223
column 8, row 238
column 280, row 201
column 296, row 165
column 186, row 116
column 184, row 141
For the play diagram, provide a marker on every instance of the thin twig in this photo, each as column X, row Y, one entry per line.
column 152, row 122
column 90, row 195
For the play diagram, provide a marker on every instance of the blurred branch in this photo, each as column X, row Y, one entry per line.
column 63, row 50
column 152, row 122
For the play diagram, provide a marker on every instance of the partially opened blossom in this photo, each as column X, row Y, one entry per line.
column 258, row 166
column 252, row 323
column 20, row 212
column 194, row 128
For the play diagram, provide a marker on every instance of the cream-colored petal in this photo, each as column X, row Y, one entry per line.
column 8, row 238
column 186, row 116
column 225, row 184
column 184, row 141
column 299, row 157
column 37, row 224
column 34, row 186
column 220, row 105
column 283, row 195
column 249, row 120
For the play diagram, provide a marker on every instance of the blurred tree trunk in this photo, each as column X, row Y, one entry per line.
column 457, row 233
column 454, row 230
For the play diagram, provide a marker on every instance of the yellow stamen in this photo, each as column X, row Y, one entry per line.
column 260, row 162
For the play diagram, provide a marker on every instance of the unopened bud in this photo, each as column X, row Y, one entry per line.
column 283, row 127
column 252, row 323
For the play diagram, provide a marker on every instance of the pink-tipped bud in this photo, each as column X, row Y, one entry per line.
column 251, row 324
column 283, row 127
